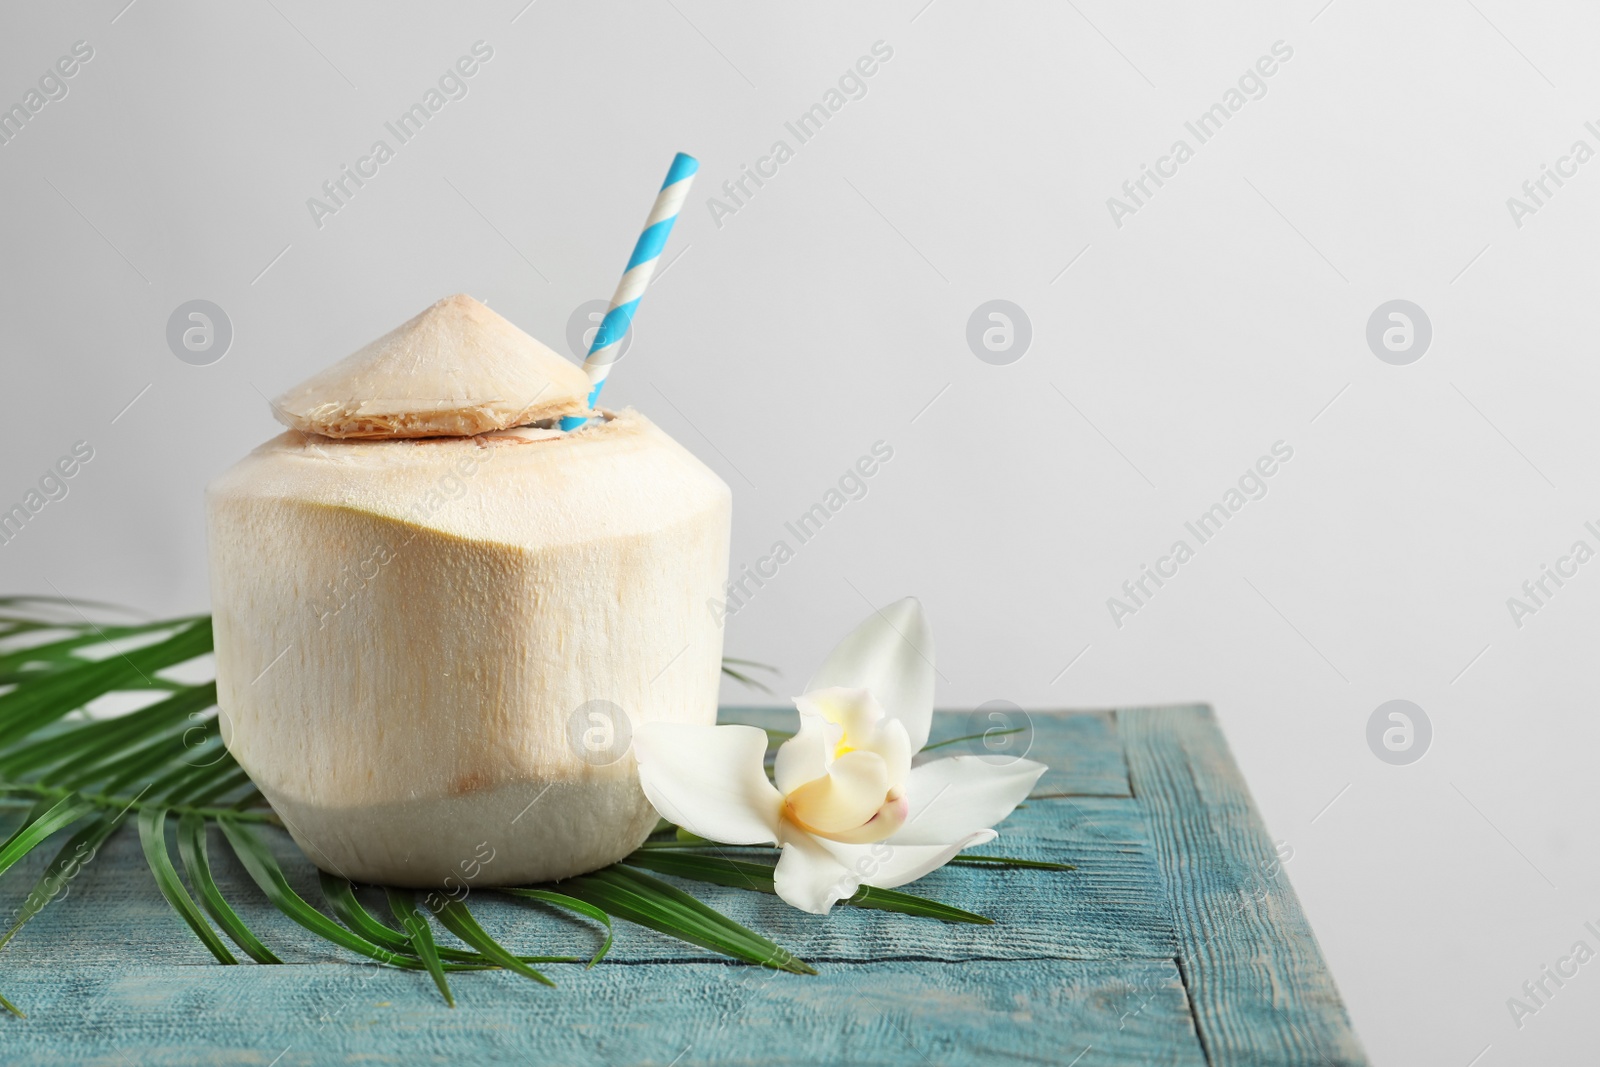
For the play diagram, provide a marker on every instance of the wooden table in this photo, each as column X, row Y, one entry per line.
column 1176, row 941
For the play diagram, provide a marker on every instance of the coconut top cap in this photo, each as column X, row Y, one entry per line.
column 456, row 370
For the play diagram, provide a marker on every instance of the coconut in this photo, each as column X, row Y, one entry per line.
column 432, row 650
column 457, row 369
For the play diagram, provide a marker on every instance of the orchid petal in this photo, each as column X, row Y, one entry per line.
column 846, row 797
column 888, row 863
column 894, row 745
column 954, row 797
column 808, row 876
column 805, row 756
column 710, row 780
column 891, row 654
column 856, row 711
column 884, row 824
column 864, row 725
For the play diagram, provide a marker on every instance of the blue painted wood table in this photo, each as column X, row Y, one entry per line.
column 1177, row 940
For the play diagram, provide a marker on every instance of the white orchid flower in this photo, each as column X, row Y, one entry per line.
column 848, row 807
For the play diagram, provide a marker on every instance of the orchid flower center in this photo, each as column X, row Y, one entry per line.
column 843, row 775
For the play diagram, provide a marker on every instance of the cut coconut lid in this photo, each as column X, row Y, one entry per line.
column 455, row 370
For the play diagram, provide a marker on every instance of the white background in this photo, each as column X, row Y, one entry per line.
column 830, row 312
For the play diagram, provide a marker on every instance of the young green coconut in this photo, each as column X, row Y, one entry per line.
column 438, row 618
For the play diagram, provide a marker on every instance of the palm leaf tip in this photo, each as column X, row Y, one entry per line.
column 637, row 897
column 969, row 860
column 162, row 762
column 455, row 917
column 421, row 934
column 153, row 835
column 744, row 874
column 77, row 852
column 66, row 811
column 571, row 904
column 746, row 680
column 197, row 862
column 740, row 671
column 263, row 868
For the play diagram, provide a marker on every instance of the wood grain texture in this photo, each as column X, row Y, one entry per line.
column 1111, row 907
column 895, row 1013
column 1081, row 748
column 1259, row 987
column 1154, row 951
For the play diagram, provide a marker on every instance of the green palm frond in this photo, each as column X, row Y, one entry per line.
column 421, row 938
column 740, row 670
column 163, row 767
column 153, row 835
column 197, row 862
column 454, row 916
column 631, row 895
column 744, row 874
column 561, row 900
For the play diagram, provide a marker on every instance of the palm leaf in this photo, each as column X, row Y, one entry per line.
column 341, row 897
column 651, row 902
column 743, row 874
column 973, row 737
column 969, row 860
column 405, row 910
column 59, row 653
column 263, row 868
column 17, row 607
column 746, row 680
column 739, row 671
column 684, row 840
column 459, row 921
column 94, row 742
column 66, row 811
column 340, row 893
column 38, row 826
column 153, row 835
column 561, row 900
column 78, row 850
column 750, row 663
column 40, row 806
column 166, row 759
column 197, row 861
column 40, row 701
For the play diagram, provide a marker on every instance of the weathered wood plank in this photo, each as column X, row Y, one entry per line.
column 1175, row 872
column 1259, row 987
column 1113, row 906
column 1130, row 1012
column 1081, row 748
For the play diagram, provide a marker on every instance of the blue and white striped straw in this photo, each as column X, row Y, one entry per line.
column 607, row 344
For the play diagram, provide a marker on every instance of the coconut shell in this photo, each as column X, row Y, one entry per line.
column 456, row 370
column 414, row 640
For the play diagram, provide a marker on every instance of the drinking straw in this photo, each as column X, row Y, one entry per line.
column 607, row 344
